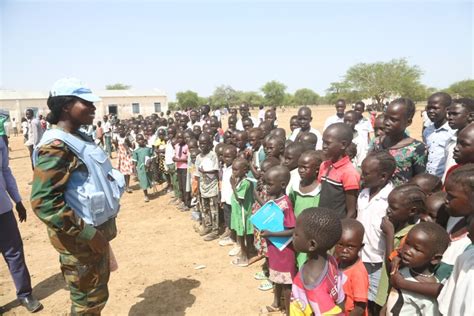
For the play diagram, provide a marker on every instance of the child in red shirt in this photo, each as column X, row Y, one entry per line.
column 338, row 177
column 356, row 287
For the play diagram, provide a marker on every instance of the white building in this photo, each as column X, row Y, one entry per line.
column 124, row 103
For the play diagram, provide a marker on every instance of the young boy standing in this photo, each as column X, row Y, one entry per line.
column 317, row 288
column 437, row 135
column 304, row 121
column 359, row 139
column 181, row 160
column 338, row 177
column 346, row 251
column 460, row 114
column 207, row 166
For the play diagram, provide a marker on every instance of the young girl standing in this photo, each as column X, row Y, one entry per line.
column 281, row 263
column 410, row 154
column 241, row 203
column 141, row 155
column 125, row 163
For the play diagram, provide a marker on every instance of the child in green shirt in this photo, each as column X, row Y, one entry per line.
column 305, row 194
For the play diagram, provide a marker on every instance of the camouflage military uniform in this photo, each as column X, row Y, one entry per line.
column 86, row 273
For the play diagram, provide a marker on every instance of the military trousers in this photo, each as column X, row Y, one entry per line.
column 87, row 282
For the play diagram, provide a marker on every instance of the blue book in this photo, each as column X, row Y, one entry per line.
column 270, row 217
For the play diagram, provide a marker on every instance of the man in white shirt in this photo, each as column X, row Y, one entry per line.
column 245, row 112
column 339, row 116
column 35, row 132
column 437, row 135
column 304, row 119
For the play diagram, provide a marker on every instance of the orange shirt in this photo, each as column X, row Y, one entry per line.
column 356, row 286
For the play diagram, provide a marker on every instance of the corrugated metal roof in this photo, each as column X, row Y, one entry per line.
column 19, row 95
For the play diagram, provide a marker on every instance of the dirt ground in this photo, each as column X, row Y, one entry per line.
column 157, row 251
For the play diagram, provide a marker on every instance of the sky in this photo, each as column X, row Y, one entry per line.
column 182, row 45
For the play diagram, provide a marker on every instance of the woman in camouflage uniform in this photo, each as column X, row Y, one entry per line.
column 83, row 248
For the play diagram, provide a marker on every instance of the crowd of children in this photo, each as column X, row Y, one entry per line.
column 379, row 222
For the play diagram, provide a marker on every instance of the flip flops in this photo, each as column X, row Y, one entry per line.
column 266, row 285
column 260, row 276
column 239, row 263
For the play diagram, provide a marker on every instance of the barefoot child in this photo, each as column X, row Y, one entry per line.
column 305, row 194
column 317, row 288
column 241, row 202
column 420, row 254
column 207, row 166
column 181, row 160
column 141, row 155
column 347, row 249
column 125, row 163
column 228, row 155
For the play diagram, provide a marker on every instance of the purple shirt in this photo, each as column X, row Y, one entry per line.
column 8, row 187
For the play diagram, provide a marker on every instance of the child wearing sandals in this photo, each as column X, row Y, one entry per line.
column 318, row 286
column 260, row 243
column 281, row 263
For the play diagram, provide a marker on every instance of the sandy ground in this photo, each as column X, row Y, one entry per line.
column 156, row 249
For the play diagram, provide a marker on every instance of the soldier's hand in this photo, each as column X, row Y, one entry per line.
column 98, row 243
column 21, row 211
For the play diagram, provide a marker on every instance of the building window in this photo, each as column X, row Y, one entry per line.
column 135, row 108
column 112, row 108
column 157, row 107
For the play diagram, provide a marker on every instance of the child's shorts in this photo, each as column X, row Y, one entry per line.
column 375, row 271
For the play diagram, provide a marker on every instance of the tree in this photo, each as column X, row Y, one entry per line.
column 173, row 106
column 418, row 92
column 224, row 96
column 187, row 99
column 381, row 80
column 462, row 89
column 274, row 93
column 306, row 97
column 251, row 98
column 341, row 90
column 117, row 86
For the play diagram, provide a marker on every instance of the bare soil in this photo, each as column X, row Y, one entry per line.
column 157, row 251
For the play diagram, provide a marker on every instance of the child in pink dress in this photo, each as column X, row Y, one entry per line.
column 282, row 264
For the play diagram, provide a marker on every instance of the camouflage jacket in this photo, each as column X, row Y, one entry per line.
column 68, row 233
